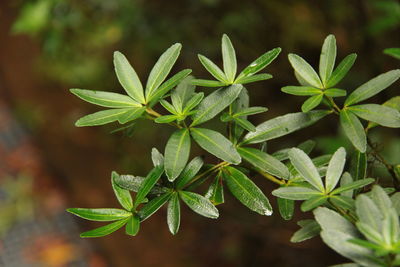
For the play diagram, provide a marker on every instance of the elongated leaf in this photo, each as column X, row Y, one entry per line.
column 123, row 195
column 216, row 144
column 215, row 192
column 368, row 213
column 335, row 169
column 177, row 153
column 311, row 103
column 171, row 109
column 213, row 69
column 132, row 226
column 313, row 202
column 354, row 130
column 193, row 102
column 131, row 114
column 254, row 78
column 133, row 183
column 199, row 204
column 358, row 168
column 334, row 92
column 394, row 52
column 283, row 125
column 329, row 219
column 353, row 185
column 301, row 90
column 372, row 87
column 260, row 63
column 191, row 169
column 245, row 124
column 394, row 103
column 264, row 162
column 343, row 202
column 305, row 70
column 100, row 215
column 345, row 180
column 286, row 208
column 306, row 168
column 309, row 229
column 327, row 59
column 128, row 78
column 215, row 103
column 341, row 70
column 174, row 214
column 369, row 232
column 395, row 198
column 166, row 119
column 182, row 93
column 250, row 111
column 153, row 205
column 148, row 184
column 246, row 191
column 156, row 157
column 295, row 192
column 162, row 68
column 379, row 114
column 105, row 99
column 228, row 58
column 381, row 199
column 208, row 83
column 101, row 117
column 105, row 230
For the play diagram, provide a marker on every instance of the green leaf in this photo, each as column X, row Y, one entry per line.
column 161, row 69
column 313, row 202
column 379, row 114
column 307, row 146
column 105, row 230
column 394, row 52
column 286, row 208
column 311, row 103
column 331, row 220
column 148, row 184
column 174, row 214
column 215, row 192
column 123, row 195
column 213, row 69
column 191, row 169
column 345, row 180
column 199, row 204
column 128, row 78
column 254, row 78
column 166, row 119
column 394, row 103
column 372, row 87
column 208, row 83
column 105, row 99
column 381, row 199
column 171, row 109
column 341, row 70
column 283, row 125
column 131, row 114
column 353, row 185
column 368, row 213
column 193, row 102
column 132, row 226
column 152, row 206
column 182, row 93
column 250, row 111
column 100, row 215
column 308, row 230
column 354, row 130
column 395, row 198
column 228, row 58
column 301, row 90
column 327, row 59
column 264, row 162
column 101, row 117
column 245, row 124
column 334, row 92
column 260, row 63
column 358, row 166
column 216, row 144
column 216, row 102
column 369, row 232
column 133, row 183
column 246, row 191
column 177, row 153
column 343, row 202
column 295, row 192
column 156, row 157
column 335, row 169
column 305, row 70
column 304, row 165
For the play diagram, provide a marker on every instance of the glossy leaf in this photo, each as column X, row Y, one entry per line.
column 105, row 99
column 246, row 191
column 215, row 192
column 148, row 184
column 153, row 205
column 191, row 169
column 123, row 195
column 301, row 90
column 260, row 63
column 335, row 169
column 354, row 130
column 341, row 70
column 199, row 204
column 105, row 230
column 311, row 103
column 174, row 214
column 156, row 157
column 254, row 78
column 228, row 58
column 327, row 59
column 379, row 114
column 213, row 69
column 286, row 208
column 133, row 183
column 295, row 192
column 100, row 215
column 101, row 117
column 177, row 153
column 132, row 226
column 305, row 70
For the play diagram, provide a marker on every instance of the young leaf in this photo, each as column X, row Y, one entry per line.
column 327, row 59
column 123, row 195
column 128, row 78
column 283, row 125
column 148, row 184
column 334, row 92
column 246, row 191
column 153, row 205
column 309, row 229
column 133, row 183
column 105, row 230
column 213, row 69
column 105, row 99
column 394, row 52
column 372, row 87
column 191, row 169
column 286, row 208
column 341, row 70
column 307, row 146
column 208, row 83
column 131, row 114
column 166, row 119
column 132, row 226
column 171, row 109
column 305, row 70
column 101, row 117
column 162, row 68
column 216, row 144
column 182, row 93
column 358, row 168
column 177, row 153
column 228, row 58
column 344, row 181
column 174, row 214
column 199, row 204
column 215, row 192
column 313, row 202
column 156, row 157
column 254, row 78
column 295, row 192
column 354, row 130
column 335, row 169
column 379, row 114
column 311, row 103
column 264, row 162
column 306, row 168
column 353, row 185
column 260, row 63
column 215, row 103
column 100, row 215
column 301, row 90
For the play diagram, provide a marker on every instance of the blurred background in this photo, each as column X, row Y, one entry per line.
column 47, row 165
